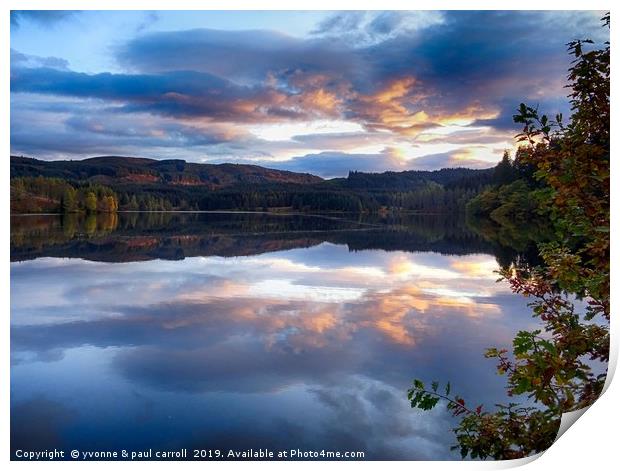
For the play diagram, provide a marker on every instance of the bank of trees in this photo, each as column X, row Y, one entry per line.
column 516, row 196
column 52, row 194
column 438, row 192
column 40, row 194
column 561, row 366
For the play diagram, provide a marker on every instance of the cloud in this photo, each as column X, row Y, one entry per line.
column 149, row 18
column 268, row 343
column 97, row 130
column 485, row 56
column 363, row 28
column 161, row 94
column 288, row 306
column 340, row 23
column 383, row 426
column 332, row 164
column 404, row 78
column 337, row 164
column 256, row 53
column 453, row 55
column 458, row 158
column 161, row 132
column 46, row 18
column 19, row 60
column 198, row 336
column 177, row 94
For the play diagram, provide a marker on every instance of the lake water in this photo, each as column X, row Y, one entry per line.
column 220, row 331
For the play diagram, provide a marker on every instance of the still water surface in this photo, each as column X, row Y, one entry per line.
column 236, row 331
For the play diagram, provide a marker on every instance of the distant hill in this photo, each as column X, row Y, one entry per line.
column 111, row 170
column 104, row 184
column 413, row 179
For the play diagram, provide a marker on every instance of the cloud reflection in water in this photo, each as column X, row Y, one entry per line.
column 302, row 348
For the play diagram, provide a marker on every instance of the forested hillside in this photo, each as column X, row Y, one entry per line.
column 105, row 184
column 115, row 170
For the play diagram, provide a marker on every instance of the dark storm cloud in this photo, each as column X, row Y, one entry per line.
column 548, row 104
column 486, row 56
column 238, row 55
column 163, row 94
column 183, row 94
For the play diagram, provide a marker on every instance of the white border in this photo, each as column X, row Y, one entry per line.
column 592, row 443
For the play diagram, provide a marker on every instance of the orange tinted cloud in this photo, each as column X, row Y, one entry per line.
column 479, row 267
column 400, row 107
column 467, row 115
column 321, row 101
column 391, row 107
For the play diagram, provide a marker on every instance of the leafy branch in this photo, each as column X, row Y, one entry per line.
column 553, row 366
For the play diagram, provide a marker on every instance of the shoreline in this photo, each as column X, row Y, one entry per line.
column 232, row 211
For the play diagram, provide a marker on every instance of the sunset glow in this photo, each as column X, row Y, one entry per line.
column 334, row 92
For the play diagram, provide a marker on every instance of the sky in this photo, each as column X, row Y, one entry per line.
column 318, row 92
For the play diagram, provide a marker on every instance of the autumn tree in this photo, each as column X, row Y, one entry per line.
column 90, row 202
column 553, row 369
column 69, row 200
